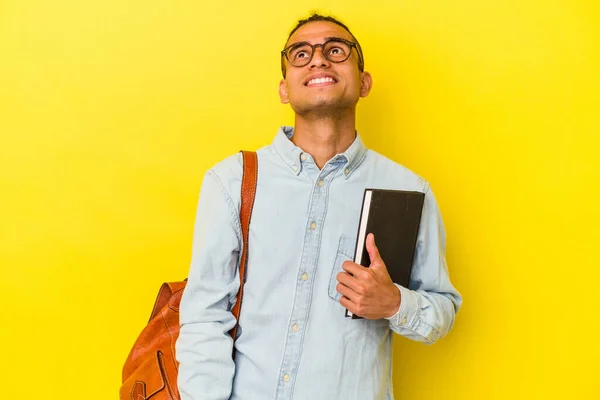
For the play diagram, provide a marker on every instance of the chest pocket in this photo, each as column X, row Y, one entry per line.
column 345, row 251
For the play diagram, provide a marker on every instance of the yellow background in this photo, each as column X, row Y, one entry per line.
column 111, row 112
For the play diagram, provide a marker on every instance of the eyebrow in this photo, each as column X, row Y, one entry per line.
column 325, row 39
column 335, row 38
column 294, row 46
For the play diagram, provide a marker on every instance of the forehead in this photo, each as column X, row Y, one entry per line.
column 317, row 31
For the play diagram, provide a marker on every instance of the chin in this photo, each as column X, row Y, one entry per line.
column 321, row 104
column 316, row 103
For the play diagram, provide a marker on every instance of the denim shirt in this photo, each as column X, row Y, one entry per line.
column 294, row 341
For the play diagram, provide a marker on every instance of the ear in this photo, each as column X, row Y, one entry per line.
column 283, row 92
column 366, row 83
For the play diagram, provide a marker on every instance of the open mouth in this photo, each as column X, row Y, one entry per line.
column 326, row 80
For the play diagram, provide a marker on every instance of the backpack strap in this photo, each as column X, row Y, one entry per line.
column 248, row 192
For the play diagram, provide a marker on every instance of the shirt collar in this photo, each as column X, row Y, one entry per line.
column 292, row 154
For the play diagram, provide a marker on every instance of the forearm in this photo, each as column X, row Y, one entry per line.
column 427, row 311
column 206, row 367
column 424, row 316
column 204, row 346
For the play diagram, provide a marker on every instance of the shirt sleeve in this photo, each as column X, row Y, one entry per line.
column 427, row 310
column 204, row 346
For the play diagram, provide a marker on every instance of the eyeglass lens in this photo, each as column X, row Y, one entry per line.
column 333, row 50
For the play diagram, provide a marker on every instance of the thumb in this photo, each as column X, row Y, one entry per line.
column 374, row 255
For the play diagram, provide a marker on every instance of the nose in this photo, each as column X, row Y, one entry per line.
column 318, row 59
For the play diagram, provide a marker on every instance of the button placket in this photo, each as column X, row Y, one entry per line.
column 304, row 286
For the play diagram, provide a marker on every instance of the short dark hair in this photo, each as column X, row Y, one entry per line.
column 315, row 17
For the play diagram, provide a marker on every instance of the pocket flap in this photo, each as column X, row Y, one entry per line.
column 147, row 380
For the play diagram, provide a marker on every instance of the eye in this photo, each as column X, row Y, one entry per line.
column 337, row 50
column 301, row 54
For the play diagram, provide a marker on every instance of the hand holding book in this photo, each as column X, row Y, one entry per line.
column 368, row 292
column 394, row 216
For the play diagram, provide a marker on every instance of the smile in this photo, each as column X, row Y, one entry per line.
column 320, row 81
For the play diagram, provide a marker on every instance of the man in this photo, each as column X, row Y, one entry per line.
column 294, row 339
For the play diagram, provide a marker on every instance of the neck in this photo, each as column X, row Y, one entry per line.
column 324, row 136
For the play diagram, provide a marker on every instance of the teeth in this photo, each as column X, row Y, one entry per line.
column 320, row 80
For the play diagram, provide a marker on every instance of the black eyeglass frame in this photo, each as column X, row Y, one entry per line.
column 322, row 46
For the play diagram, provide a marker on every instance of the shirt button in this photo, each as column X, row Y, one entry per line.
column 403, row 321
column 346, row 171
column 321, row 183
column 295, row 328
column 286, row 378
column 303, row 157
column 305, row 276
column 313, row 226
column 295, row 168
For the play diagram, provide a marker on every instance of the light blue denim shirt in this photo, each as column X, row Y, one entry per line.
column 294, row 341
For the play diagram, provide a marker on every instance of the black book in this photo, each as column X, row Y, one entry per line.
column 393, row 216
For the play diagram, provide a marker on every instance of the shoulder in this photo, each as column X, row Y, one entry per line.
column 227, row 174
column 396, row 173
column 229, row 171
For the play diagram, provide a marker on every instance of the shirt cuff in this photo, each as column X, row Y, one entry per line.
column 407, row 313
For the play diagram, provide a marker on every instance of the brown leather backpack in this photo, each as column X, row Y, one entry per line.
column 150, row 371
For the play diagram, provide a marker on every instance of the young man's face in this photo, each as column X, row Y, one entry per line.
column 343, row 83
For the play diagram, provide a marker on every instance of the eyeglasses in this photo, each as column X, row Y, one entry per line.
column 336, row 50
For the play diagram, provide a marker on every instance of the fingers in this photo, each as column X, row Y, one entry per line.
column 357, row 270
column 373, row 250
column 345, row 291
column 348, row 281
column 351, row 283
column 349, row 304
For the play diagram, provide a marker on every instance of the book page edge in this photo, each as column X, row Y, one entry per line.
column 362, row 232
